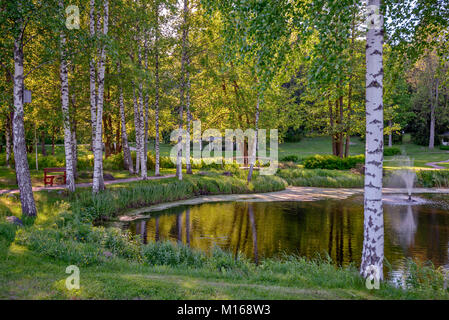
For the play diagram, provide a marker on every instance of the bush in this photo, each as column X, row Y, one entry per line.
column 433, row 178
column 290, row 158
column 321, row 178
column 391, row 151
column 442, row 147
column 168, row 253
column 332, row 162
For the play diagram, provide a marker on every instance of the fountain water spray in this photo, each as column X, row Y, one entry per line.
column 407, row 174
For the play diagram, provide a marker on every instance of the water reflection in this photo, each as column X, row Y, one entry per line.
column 259, row 230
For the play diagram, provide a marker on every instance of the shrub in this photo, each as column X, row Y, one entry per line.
column 444, row 147
column 321, row 178
column 168, row 253
column 290, row 158
column 391, row 151
column 433, row 178
column 332, row 162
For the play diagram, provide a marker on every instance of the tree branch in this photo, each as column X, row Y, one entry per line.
column 7, row 71
column 37, row 67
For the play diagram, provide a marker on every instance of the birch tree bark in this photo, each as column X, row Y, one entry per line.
column 137, row 129
column 98, row 183
column 92, row 75
column 20, row 154
column 63, row 74
column 373, row 243
column 254, row 149
column 184, row 59
column 126, row 152
column 74, row 137
column 141, row 136
column 188, row 119
column 156, row 102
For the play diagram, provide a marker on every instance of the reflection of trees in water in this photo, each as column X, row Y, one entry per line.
column 404, row 226
column 254, row 232
column 265, row 229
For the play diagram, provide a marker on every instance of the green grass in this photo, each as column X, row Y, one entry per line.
column 33, row 259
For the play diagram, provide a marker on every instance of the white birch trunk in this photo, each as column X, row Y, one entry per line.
column 254, row 149
column 20, row 154
column 156, row 49
column 188, row 119
column 63, row 73
column 126, row 152
column 98, row 183
column 373, row 243
column 92, row 75
column 137, row 129
column 184, row 57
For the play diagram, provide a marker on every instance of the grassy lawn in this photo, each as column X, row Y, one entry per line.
column 322, row 145
column 30, row 273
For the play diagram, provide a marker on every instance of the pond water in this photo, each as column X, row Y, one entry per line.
column 267, row 229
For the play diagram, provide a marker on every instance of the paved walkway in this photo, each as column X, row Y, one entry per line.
column 88, row 184
column 435, row 164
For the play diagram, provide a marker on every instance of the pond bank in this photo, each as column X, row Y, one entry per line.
column 289, row 194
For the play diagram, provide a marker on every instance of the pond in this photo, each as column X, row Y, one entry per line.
column 267, row 229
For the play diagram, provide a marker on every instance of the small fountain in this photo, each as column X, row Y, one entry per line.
column 404, row 177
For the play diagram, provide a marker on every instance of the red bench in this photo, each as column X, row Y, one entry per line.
column 49, row 179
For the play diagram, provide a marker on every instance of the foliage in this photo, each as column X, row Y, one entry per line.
column 332, row 162
column 391, row 151
column 321, row 178
column 292, row 158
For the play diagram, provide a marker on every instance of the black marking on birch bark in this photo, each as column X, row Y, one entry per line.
column 380, row 73
column 380, row 107
column 368, row 114
column 376, row 52
column 375, row 163
column 367, row 46
column 374, row 84
column 370, row 185
column 371, row 174
column 375, row 121
column 378, row 150
column 379, row 33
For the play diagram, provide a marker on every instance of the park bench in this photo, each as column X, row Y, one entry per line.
column 49, row 179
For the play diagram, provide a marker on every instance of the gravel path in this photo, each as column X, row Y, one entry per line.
column 435, row 164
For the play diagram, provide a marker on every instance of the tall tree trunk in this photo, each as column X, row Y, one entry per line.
column 254, row 149
column 74, row 138
column 433, row 105
column 43, row 151
column 92, row 76
column 137, row 130
column 20, row 154
column 390, row 135
column 98, row 182
column 156, row 49
column 8, row 136
column 373, row 241
column 63, row 74
column 126, row 152
column 184, row 61
column 188, row 119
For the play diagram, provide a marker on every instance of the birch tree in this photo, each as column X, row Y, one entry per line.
column 20, row 153
column 126, row 152
column 184, row 61
column 63, row 73
column 92, row 74
column 156, row 100
column 373, row 241
column 98, row 183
